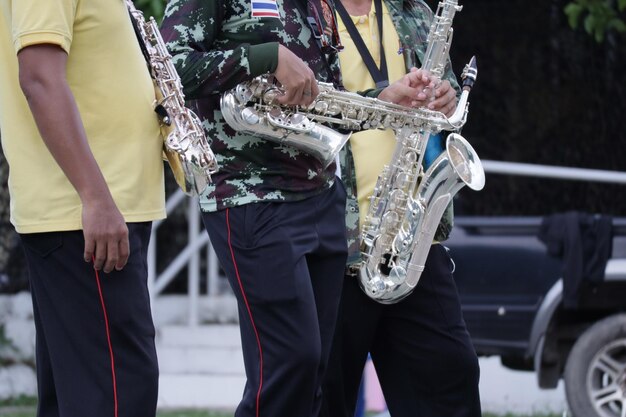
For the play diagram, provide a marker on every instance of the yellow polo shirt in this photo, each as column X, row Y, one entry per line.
column 108, row 77
column 371, row 149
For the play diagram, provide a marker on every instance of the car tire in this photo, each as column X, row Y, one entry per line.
column 595, row 372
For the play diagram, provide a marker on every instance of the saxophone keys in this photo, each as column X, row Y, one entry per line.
column 250, row 116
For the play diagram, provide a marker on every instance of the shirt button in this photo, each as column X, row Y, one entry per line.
column 362, row 19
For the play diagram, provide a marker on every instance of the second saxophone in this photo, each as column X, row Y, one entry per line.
column 408, row 203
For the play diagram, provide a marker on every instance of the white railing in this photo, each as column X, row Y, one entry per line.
column 199, row 245
column 547, row 171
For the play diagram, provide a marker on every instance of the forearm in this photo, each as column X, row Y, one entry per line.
column 213, row 72
column 58, row 120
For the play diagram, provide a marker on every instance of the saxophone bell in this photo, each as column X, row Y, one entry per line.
column 190, row 164
column 465, row 162
column 285, row 126
column 393, row 266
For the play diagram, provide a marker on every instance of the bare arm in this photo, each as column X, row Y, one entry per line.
column 43, row 81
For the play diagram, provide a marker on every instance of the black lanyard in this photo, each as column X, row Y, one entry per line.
column 378, row 74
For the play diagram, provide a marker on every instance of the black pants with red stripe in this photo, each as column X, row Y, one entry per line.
column 95, row 348
column 285, row 263
column 420, row 347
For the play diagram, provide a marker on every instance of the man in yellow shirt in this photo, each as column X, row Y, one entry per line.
column 420, row 346
column 86, row 180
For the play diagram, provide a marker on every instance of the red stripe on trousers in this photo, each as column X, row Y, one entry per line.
column 106, row 326
column 245, row 299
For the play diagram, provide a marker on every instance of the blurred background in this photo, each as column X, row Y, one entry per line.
column 550, row 91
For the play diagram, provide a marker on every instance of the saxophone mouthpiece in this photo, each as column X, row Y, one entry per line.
column 470, row 72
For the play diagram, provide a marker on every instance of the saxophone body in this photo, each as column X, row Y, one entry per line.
column 408, row 203
column 184, row 142
column 322, row 128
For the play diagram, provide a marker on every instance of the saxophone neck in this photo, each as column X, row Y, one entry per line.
column 458, row 118
column 468, row 77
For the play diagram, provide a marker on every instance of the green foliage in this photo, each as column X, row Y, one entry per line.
column 21, row 401
column 152, row 8
column 597, row 16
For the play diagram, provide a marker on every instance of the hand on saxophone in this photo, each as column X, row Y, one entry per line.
column 413, row 88
column 438, row 95
column 296, row 78
column 444, row 98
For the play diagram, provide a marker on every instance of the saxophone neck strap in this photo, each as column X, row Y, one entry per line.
column 379, row 75
column 159, row 109
column 142, row 44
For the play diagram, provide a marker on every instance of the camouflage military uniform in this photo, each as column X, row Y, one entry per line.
column 274, row 215
column 411, row 22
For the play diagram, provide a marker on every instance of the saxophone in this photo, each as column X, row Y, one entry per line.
column 407, row 203
column 184, row 143
column 251, row 107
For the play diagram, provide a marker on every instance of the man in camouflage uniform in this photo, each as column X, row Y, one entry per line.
column 420, row 347
column 274, row 214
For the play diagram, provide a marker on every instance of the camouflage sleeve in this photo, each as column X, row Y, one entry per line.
column 190, row 29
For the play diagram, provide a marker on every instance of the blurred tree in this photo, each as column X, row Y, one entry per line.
column 152, row 8
column 598, row 16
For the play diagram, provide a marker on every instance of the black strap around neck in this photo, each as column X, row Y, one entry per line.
column 379, row 75
column 142, row 44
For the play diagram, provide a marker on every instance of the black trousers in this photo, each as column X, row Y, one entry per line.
column 420, row 348
column 95, row 348
column 285, row 263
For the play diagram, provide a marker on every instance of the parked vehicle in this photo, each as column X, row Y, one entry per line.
column 512, row 292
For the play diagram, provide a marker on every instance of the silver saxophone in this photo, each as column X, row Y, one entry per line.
column 251, row 107
column 408, row 203
column 184, row 143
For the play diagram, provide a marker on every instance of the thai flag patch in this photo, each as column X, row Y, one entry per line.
column 265, row 8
